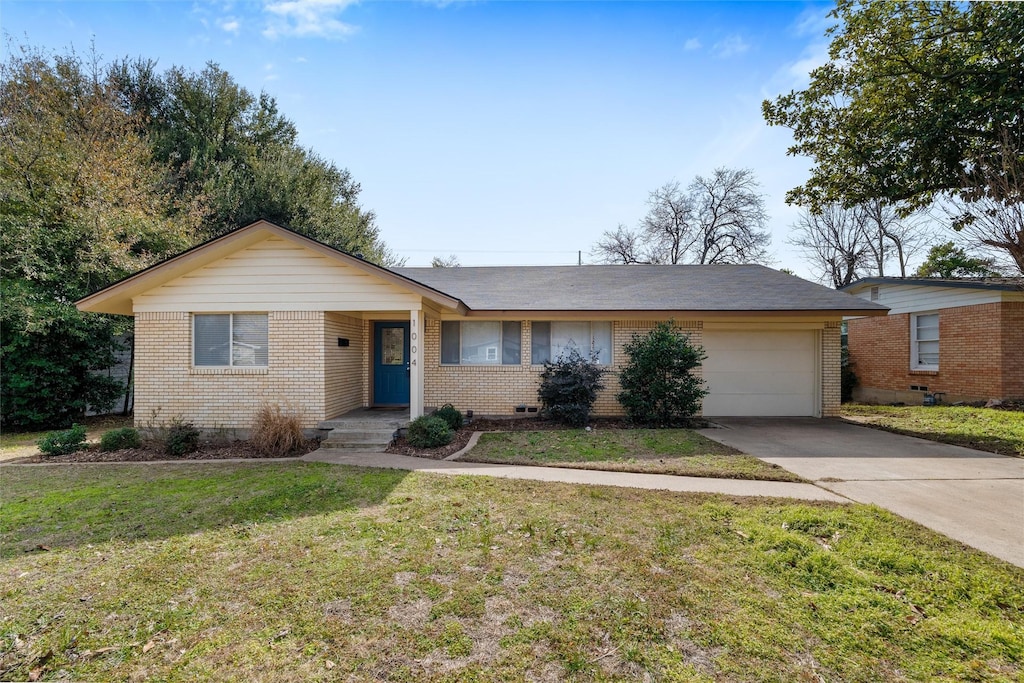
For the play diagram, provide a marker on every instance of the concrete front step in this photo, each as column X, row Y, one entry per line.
column 363, row 430
column 359, row 439
column 346, row 438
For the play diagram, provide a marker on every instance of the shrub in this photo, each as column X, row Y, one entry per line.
column 569, row 386
column 658, row 384
column 181, row 438
column 429, row 431
column 276, row 433
column 64, row 441
column 50, row 353
column 449, row 414
column 848, row 378
column 117, row 439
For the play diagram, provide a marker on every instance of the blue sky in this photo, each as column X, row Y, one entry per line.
column 502, row 132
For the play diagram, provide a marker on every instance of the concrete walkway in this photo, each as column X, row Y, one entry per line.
column 659, row 482
column 974, row 497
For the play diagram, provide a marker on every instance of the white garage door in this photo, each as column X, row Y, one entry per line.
column 765, row 373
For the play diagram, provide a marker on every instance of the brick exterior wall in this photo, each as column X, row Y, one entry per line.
column 345, row 366
column 498, row 389
column 168, row 386
column 831, row 370
column 308, row 373
column 980, row 355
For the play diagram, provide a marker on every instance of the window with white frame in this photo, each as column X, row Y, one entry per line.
column 229, row 340
column 481, row 343
column 924, row 341
column 553, row 339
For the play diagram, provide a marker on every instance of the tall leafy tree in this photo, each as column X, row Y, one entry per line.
column 950, row 261
column 917, row 99
column 237, row 153
column 80, row 207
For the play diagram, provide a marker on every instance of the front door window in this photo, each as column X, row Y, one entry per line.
column 392, row 346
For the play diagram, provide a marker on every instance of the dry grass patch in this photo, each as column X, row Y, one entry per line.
column 680, row 452
column 299, row 572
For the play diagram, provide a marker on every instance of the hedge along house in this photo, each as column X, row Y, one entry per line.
column 962, row 337
column 263, row 314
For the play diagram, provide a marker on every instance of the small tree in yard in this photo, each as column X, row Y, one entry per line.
column 658, row 384
column 569, row 386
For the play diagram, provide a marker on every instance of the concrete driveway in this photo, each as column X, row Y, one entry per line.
column 974, row 497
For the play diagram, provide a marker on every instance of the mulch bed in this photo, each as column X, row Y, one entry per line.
column 235, row 449
column 402, row 446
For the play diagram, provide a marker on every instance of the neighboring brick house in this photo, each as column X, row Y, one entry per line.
column 961, row 337
column 264, row 314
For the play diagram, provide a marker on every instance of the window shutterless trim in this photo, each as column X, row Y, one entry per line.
column 543, row 331
column 915, row 342
column 230, row 343
column 510, row 343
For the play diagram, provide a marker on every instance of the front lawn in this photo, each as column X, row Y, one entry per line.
column 987, row 429
column 662, row 451
column 298, row 572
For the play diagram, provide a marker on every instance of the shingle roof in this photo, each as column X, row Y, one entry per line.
column 634, row 287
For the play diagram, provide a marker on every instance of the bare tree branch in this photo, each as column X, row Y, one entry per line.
column 720, row 219
column 834, row 242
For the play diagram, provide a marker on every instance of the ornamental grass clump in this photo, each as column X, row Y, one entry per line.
column 276, row 433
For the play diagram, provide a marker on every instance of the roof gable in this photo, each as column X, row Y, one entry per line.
column 192, row 272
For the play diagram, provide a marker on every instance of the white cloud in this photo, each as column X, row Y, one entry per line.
column 307, row 18
column 813, row 21
column 230, row 24
column 731, row 46
column 692, row 44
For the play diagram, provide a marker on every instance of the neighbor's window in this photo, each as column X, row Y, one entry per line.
column 553, row 339
column 924, row 341
column 481, row 343
column 230, row 339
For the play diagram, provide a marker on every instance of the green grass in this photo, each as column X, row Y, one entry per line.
column 987, row 429
column 299, row 572
column 661, row 451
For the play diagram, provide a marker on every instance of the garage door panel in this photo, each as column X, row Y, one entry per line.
column 764, row 383
column 767, row 373
column 746, row 405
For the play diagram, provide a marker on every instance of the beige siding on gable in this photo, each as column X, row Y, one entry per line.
column 277, row 274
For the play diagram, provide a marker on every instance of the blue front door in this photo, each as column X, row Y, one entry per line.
column 391, row 364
